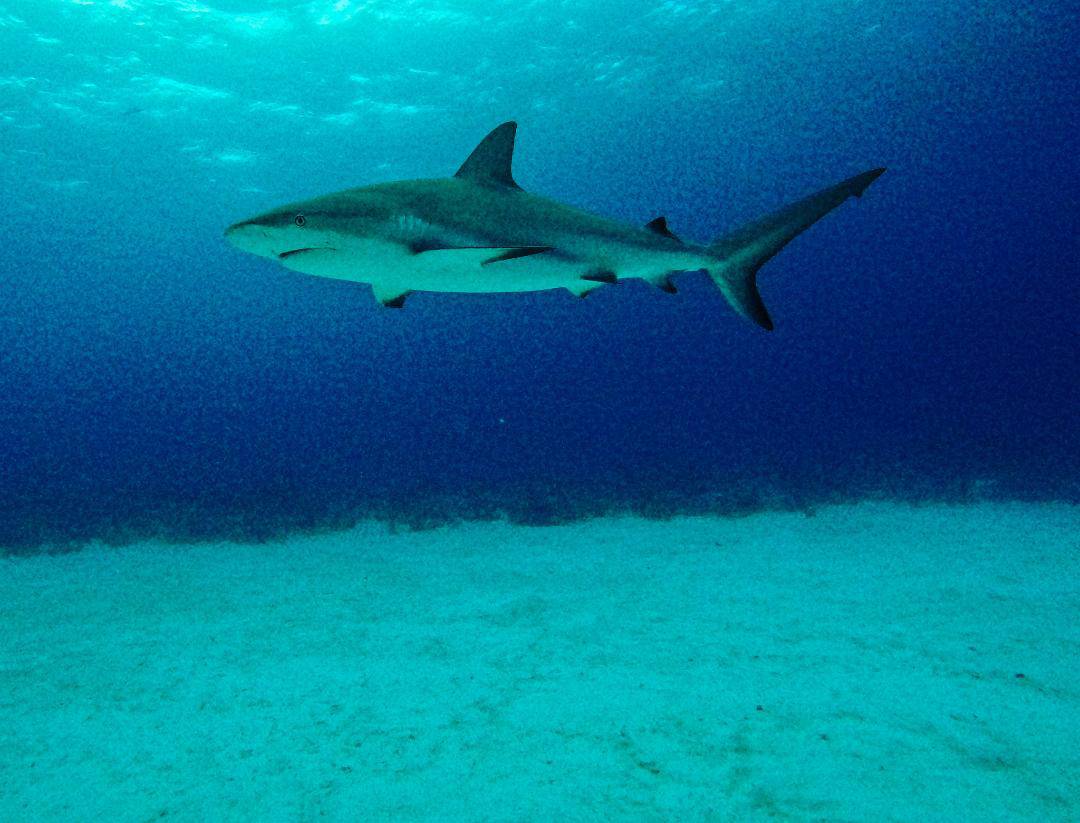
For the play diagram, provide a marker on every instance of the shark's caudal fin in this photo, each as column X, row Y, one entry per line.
column 748, row 249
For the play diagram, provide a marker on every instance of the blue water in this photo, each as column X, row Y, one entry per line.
column 155, row 381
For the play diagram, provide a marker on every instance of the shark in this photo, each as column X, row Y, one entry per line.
column 479, row 232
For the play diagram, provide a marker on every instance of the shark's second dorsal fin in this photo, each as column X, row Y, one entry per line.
column 490, row 162
column 659, row 226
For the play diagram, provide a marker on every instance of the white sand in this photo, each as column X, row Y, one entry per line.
column 605, row 669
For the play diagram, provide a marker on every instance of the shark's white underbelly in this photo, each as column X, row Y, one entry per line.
column 391, row 267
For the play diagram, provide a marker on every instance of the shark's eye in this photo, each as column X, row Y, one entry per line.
column 300, row 220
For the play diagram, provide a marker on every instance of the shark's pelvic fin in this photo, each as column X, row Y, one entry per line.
column 659, row 226
column 490, row 162
column 746, row 250
column 393, row 297
column 584, row 287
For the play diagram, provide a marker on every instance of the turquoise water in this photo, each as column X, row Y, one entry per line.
column 272, row 550
column 159, row 382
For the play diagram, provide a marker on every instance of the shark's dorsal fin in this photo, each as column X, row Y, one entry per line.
column 659, row 226
column 490, row 162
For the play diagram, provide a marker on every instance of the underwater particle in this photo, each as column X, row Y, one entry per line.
column 1019, row 675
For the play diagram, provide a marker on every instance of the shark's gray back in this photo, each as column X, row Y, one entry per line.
column 509, row 217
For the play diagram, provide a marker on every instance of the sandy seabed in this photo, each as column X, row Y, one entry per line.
column 874, row 662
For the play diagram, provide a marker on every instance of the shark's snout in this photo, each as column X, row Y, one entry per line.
column 251, row 237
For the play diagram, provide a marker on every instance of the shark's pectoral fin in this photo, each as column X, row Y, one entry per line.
column 514, row 253
column 477, row 255
column 393, row 297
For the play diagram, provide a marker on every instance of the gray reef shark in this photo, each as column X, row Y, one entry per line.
column 478, row 231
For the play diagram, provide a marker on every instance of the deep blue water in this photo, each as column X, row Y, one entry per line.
column 154, row 380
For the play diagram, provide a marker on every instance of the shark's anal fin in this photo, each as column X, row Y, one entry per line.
column 607, row 277
column 659, row 226
column 490, row 162
column 393, row 297
column 665, row 284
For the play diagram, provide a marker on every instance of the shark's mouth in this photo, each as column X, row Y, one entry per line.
column 285, row 255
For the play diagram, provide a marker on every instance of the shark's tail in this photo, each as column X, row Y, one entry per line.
column 748, row 249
